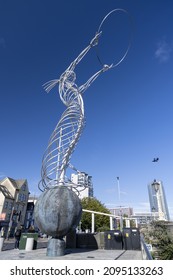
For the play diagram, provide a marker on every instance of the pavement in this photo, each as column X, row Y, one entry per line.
column 71, row 254
column 9, row 244
column 9, row 253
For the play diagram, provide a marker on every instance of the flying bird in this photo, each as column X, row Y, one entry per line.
column 155, row 159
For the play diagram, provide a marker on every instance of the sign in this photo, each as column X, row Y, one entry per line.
column 149, row 247
column 2, row 216
column 109, row 236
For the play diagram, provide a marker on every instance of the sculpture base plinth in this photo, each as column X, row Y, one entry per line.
column 55, row 247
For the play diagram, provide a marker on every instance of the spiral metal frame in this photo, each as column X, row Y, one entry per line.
column 67, row 132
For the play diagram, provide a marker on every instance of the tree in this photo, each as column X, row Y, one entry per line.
column 157, row 234
column 102, row 223
column 165, row 241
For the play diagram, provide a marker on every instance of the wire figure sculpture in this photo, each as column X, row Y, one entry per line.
column 67, row 132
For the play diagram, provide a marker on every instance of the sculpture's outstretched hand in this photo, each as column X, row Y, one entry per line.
column 84, row 87
column 95, row 40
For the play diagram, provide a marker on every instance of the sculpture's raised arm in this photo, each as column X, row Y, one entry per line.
column 84, row 87
column 50, row 84
column 93, row 43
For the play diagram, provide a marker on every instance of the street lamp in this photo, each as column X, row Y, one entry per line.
column 121, row 219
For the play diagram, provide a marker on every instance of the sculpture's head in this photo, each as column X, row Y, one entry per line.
column 68, row 77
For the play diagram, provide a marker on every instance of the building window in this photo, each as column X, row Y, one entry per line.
column 8, row 216
column 10, row 205
column 6, row 204
column 17, row 207
column 20, row 197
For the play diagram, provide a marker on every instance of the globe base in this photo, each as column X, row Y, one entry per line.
column 55, row 247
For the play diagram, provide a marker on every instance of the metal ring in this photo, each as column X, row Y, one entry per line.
column 130, row 40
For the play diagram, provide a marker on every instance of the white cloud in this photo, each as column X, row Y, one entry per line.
column 163, row 51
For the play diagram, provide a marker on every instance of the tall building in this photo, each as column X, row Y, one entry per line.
column 144, row 218
column 84, row 184
column 121, row 211
column 157, row 198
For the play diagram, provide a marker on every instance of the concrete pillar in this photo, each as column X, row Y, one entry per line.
column 93, row 223
column 111, row 223
column 121, row 223
column 127, row 223
column 136, row 222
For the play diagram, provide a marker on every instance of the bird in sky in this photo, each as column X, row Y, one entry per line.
column 155, row 159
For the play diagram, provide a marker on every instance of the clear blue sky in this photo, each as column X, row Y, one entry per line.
column 128, row 109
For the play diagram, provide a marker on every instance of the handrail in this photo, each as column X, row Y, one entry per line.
column 100, row 213
column 145, row 252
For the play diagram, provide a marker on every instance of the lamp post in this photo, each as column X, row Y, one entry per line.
column 118, row 183
column 121, row 219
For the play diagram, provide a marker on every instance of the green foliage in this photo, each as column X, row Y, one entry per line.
column 166, row 251
column 158, row 235
column 132, row 224
column 102, row 223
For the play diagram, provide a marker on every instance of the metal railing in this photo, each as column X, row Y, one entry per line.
column 111, row 216
column 146, row 255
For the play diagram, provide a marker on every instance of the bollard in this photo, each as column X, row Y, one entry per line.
column 29, row 244
column 1, row 243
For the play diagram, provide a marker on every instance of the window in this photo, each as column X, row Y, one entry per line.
column 10, row 205
column 6, row 204
column 8, row 216
column 17, row 207
column 22, row 197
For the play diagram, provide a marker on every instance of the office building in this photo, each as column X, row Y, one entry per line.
column 122, row 211
column 144, row 218
column 83, row 184
column 157, row 198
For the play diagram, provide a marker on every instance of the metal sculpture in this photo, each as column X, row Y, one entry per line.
column 58, row 210
column 67, row 132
